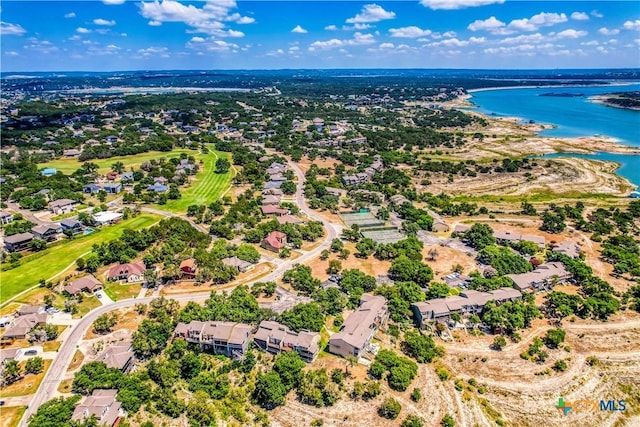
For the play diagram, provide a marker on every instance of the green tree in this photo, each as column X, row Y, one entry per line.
column 190, row 365
column 421, row 347
column 554, row 338
column 412, row 421
column 55, row 412
column 447, row 421
column 288, row 366
column 37, row 245
column 270, row 392
column 390, row 408
column 334, row 266
column 437, row 290
column 117, row 167
column 34, row 365
column 479, row 236
column 11, row 372
column 104, row 323
column 499, row 342
column 222, row 165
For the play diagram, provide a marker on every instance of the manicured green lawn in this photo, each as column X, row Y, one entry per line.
column 206, row 188
column 68, row 166
column 52, row 261
column 117, row 291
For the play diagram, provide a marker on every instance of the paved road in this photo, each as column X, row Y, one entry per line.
column 59, row 365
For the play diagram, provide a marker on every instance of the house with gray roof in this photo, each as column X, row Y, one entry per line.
column 17, row 242
column 84, row 284
column 544, row 277
column 360, row 327
column 275, row 338
column 103, row 405
column 228, row 338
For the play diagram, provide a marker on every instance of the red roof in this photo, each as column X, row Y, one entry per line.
column 276, row 239
column 188, row 265
column 126, row 270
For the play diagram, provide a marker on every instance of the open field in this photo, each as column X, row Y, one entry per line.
column 207, row 187
column 68, row 166
column 27, row 385
column 53, row 261
column 117, row 291
column 10, row 416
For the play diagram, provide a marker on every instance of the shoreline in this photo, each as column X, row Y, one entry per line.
column 602, row 100
column 484, row 89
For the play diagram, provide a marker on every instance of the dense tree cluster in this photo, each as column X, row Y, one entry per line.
column 399, row 370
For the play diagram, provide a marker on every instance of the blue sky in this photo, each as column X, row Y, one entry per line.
column 113, row 35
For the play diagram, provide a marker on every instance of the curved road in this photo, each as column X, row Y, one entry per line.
column 58, row 367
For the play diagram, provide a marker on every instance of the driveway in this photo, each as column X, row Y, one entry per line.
column 103, row 297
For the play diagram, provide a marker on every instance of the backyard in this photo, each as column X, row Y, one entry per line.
column 53, row 261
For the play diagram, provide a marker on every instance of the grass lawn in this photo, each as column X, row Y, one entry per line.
column 55, row 260
column 36, row 297
column 65, row 385
column 27, row 385
column 68, row 166
column 9, row 309
column 51, row 346
column 88, row 303
column 207, row 187
column 77, row 360
column 10, row 417
column 116, row 291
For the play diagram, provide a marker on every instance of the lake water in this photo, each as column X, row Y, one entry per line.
column 574, row 117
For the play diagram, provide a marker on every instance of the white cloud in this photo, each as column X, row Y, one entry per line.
column 211, row 45
column 386, row 46
column 607, row 32
column 358, row 39
column 100, row 21
column 371, row 13
column 492, row 25
column 358, row 26
column 590, row 43
column 524, row 38
column 456, row 4
column 331, row 28
column 207, row 19
column 155, row 23
column 75, row 38
column 571, row 34
column 82, row 30
column 299, row 30
column 596, row 14
column 70, row 15
column 113, row 2
column 7, row 29
column 12, row 53
column 632, row 25
column 542, row 19
column 293, row 49
column 477, row 39
column 276, row 52
column 411, row 32
column 41, row 46
column 579, row 16
column 162, row 52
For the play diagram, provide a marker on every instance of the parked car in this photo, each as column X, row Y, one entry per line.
column 31, row 352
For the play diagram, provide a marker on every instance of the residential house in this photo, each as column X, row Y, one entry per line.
column 467, row 303
column 507, row 237
column 270, row 200
column 272, row 192
column 359, row 328
column 355, row 179
column 238, row 263
column 273, row 209
column 118, row 355
column 272, row 185
column 130, row 273
column 544, row 277
column 30, row 309
column 5, row 218
column 158, row 188
column 48, row 232
column 107, row 217
column 91, row 188
column 188, row 267
column 71, row 153
column 49, row 171
column 71, row 224
column 9, row 354
column 126, row 177
column 62, row 206
column 17, row 242
column 278, row 177
column 84, row 284
column 113, row 188
column 569, row 248
column 102, row 405
column 275, row 338
column 274, row 241
column 438, row 226
column 112, row 176
column 228, row 338
column 21, row 326
column 111, row 139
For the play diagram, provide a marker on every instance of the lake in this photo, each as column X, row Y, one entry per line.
column 573, row 116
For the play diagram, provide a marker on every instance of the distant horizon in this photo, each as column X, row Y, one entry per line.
column 326, row 69
column 113, row 35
